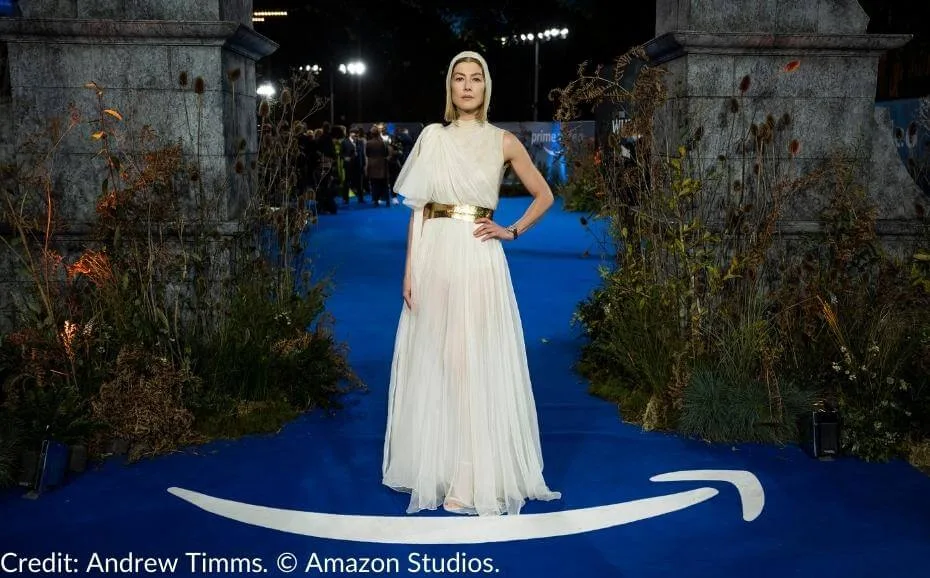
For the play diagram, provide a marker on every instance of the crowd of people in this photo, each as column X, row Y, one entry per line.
column 341, row 164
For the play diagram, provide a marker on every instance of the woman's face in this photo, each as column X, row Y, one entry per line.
column 468, row 87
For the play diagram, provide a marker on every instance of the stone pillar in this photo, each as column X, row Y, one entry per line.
column 138, row 51
column 809, row 62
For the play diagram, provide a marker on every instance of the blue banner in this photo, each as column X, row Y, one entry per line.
column 911, row 137
column 546, row 143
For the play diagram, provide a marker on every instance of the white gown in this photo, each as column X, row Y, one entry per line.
column 462, row 419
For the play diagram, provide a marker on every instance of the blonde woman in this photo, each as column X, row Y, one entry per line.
column 462, row 429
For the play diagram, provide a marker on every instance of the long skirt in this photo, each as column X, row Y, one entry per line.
column 462, row 430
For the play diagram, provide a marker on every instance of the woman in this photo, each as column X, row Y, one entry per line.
column 462, row 430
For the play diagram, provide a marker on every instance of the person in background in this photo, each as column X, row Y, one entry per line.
column 379, row 155
column 357, row 164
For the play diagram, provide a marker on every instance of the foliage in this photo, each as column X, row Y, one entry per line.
column 734, row 393
column 638, row 363
column 9, row 449
column 712, row 320
column 144, row 402
column 719, row 410
column 581, row 193
column 192, row 297
column 863, row 308
column 920, row 455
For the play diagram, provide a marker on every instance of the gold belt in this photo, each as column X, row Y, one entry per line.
column 462, row 212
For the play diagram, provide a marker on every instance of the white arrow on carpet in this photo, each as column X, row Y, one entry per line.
column 481, row 529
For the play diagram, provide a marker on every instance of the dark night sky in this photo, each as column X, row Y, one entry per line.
column 407, row 44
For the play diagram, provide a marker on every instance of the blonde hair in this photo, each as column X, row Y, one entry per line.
column 452, row 112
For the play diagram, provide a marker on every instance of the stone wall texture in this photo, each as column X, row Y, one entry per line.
column 137, row 51
column 733, row 63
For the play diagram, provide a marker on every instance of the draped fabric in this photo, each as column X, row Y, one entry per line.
column 456, row 167
column 462, row 425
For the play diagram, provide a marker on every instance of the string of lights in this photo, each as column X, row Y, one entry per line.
column 263, row 15
column 528, row 37
column 535, row 38
column 354, row 68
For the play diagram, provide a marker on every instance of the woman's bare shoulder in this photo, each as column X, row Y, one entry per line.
column 511, row 145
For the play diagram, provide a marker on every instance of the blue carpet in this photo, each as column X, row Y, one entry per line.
column 841, row 518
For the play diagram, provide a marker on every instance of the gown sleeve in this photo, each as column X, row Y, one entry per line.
column 414, row 182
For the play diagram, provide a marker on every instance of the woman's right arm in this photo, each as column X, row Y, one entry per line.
column 408, row 267
column 409, row 263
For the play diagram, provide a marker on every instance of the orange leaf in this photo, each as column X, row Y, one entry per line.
column 98, row 135
column 791, row 66
column 114, row 114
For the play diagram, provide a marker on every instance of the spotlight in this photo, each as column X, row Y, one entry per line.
column 357, row 68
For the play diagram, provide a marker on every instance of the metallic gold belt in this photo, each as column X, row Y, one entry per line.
column 462, row 212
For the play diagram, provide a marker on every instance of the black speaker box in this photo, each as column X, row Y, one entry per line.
column 820, row 433
column 46, row 469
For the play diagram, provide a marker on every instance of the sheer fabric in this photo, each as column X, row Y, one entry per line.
column 462, row 425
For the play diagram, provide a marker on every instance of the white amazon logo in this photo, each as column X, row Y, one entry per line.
column 481, row 529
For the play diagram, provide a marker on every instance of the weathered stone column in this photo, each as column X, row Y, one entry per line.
column 807, row 63
column 184, row 67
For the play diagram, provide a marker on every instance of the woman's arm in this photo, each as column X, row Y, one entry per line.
column 518, row 157
column 408, row 265
column 515, row 153
column 407, row 289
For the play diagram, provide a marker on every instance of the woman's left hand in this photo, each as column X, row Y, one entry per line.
column 488, row 229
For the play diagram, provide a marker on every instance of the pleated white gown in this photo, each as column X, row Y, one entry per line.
column 462, row 419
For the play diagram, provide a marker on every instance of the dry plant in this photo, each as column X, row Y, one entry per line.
column 695, row 222
column 276, row 177
column 173, row 310
column 713, row 321
column 144, row 403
